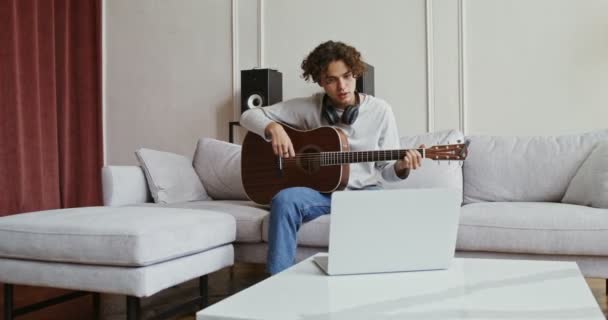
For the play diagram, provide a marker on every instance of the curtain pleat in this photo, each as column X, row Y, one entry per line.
column 50, row 118
column 50, row 104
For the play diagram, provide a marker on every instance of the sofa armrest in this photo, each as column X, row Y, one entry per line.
column 124, row 185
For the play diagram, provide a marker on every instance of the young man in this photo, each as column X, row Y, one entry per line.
column 367, row 121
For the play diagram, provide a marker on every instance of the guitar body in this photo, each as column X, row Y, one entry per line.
column 264, row 174
column 321, row 162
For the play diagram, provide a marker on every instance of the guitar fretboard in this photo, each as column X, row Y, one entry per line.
column 337, row 158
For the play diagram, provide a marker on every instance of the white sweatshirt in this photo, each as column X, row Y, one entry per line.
column 374, row 129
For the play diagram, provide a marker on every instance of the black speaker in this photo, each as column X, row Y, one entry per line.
column 365, row 83
column 260, row 87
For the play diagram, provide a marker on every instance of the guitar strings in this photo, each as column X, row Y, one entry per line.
column 345, row 157
column 332, row 155
column 344, row 160
column 344, row 154
column 338, row 158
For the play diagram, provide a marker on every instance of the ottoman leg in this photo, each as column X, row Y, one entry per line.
column 203, row 288
column 96, row 306
column 8, row 301
column 133, row 308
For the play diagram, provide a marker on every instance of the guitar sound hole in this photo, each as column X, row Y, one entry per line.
column 309, row 160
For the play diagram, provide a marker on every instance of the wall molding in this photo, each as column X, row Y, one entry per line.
column 235, row 60
column 104, row 74
column 430, row 61
column 431, row 86
column 462, row 110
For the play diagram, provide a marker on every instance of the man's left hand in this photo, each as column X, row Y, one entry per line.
column 411, row 160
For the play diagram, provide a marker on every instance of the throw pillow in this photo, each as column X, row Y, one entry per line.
column 432, row 174
column 171, row 177
column 218, row 164
column 589, row 187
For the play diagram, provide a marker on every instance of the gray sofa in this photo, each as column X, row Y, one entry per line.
column 125, row 252
column 514, row 191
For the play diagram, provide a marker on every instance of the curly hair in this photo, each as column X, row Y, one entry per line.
column 315, row 64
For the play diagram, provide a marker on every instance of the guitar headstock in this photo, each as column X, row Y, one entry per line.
column 456, row 152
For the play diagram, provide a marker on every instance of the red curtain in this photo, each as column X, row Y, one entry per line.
column 51, row 149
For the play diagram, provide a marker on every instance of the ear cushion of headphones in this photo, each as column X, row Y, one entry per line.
column 330, row 114
column 350, row 115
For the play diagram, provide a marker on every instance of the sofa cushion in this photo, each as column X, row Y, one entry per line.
column 119, row 236
column 170, row 176
column 589, row 187
column 124, row 185
column 248, row 215
column 524, row 168
column 218, row 164
column 533, row 227
column 432, row 138
column 432, row 174
column 314, row 233
column 138, row 282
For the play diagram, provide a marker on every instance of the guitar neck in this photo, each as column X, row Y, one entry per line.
column 337, row 158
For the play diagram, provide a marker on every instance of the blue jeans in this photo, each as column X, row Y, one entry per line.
column 289, row 209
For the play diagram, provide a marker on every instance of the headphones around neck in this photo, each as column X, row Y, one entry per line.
column 331, row 115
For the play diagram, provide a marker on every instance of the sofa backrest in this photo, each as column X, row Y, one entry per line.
column 218, row 165
column 524, row 168
column 124, row 185
column 432, row 174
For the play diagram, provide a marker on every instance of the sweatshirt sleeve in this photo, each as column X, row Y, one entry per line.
column 256, row 121
column 389, row 140
column 293, row 113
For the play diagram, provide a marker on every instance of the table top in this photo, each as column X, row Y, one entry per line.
column 469, row 289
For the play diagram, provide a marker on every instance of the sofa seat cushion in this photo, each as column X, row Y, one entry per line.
column 118, row 236
column 533, row 227
column 314, row 233
column 248, row 215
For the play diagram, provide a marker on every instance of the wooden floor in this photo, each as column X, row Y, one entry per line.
column 598, row 287
column 245, row 275
column 222, row 284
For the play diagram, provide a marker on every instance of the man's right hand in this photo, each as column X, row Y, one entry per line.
column 281, row 143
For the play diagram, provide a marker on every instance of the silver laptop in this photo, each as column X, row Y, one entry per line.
column 391, row 231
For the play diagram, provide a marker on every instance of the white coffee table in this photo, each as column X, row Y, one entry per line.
column 470, row 289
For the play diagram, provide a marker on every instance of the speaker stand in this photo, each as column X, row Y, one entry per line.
column 231, row 125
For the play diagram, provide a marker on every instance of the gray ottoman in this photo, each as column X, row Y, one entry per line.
column 132, row 251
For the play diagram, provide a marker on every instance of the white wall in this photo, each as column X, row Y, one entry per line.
column 536, row 67
column 483, row 66
column 389, row 34
column 168, row 77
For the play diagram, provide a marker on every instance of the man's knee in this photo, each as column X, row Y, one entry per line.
column 289, row 196
column 286, row 202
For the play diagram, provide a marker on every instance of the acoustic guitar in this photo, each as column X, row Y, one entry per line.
column 321, row 162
